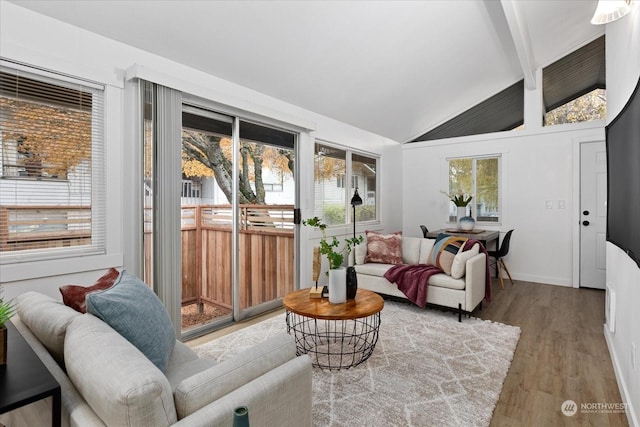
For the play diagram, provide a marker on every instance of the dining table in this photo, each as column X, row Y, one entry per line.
column 485, row 237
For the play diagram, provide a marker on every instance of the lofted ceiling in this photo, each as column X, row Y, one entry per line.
column 394, row 68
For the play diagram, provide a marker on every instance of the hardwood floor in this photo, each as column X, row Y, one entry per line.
column 562, row 355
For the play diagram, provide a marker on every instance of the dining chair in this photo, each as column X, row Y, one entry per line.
column 424, row 230
column 500, row 254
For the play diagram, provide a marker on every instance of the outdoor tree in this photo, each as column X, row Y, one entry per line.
column 49, row 141
column 207, row 155
column 591, row 106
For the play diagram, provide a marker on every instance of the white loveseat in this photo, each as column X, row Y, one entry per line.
column 463, row 294
column 106, row 381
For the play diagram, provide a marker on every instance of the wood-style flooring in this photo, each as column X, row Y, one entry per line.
column 562, row 355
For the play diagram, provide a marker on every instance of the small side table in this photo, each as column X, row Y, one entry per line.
column 336, row 336
column 24, row 379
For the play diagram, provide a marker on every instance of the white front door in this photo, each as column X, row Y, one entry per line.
column 593, row 214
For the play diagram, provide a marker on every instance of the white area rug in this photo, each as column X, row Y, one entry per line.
column 427, row 370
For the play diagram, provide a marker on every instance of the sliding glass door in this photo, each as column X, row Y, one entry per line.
column 236, row 203
column 266, row 198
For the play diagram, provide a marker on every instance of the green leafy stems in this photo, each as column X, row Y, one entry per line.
column 335, row 257
column 6, row 311
column 458, row 199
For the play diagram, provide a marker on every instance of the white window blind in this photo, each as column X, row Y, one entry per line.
column 52, row 166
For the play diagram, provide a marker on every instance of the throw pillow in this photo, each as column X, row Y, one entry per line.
column 47, row 319
column 75, row 296
column 444, row 250
column 136, row 313
column 384, row 248
column 459, row 266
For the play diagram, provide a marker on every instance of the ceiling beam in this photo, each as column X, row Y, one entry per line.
column 522, row 42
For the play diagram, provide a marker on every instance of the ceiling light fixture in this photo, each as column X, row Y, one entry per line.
column 610, row 10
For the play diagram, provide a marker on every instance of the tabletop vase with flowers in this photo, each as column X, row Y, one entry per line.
column 464, row 221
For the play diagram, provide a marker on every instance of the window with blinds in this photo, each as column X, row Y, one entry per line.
column 51, row 166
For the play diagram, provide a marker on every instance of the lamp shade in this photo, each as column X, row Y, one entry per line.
column 610, row 10
column 356, row 200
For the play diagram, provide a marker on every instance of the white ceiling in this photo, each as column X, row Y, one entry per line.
column 395, row 68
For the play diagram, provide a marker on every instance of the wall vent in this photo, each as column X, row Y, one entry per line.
column 610, row 308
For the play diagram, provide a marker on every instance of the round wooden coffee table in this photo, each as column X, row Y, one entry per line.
column 336, row 336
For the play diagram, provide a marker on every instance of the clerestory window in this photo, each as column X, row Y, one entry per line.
column 574, row 87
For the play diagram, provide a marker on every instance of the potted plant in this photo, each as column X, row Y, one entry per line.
column 335, row 256
column 461, row 201
column 6, row 311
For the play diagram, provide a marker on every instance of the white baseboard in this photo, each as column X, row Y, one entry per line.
column 540, row 279
column 632, row 415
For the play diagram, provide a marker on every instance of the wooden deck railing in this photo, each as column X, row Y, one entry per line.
column 40, row 227
column 266, row 246
column 266, row 254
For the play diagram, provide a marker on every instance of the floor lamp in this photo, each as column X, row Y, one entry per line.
column 356, row 200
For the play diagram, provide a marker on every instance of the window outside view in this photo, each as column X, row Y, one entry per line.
column 51, row 140
column 332, row 194
column 479, row 178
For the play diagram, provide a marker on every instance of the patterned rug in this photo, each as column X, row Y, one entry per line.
column 427, row 370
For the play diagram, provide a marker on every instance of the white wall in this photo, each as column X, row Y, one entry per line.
column 36, row 40
column 623, row 275
column 536, row 167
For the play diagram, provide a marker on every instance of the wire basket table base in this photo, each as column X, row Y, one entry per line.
column 334, row 344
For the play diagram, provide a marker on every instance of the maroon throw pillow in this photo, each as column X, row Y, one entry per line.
column 384, row 248
column 75, row 296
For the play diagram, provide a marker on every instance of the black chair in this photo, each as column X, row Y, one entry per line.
column 424, row 231
column 500, row 254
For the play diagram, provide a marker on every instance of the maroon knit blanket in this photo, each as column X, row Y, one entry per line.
column 412, row 279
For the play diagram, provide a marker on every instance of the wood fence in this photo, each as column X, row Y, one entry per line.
column 43, row 227
column 266, row 246
column 266, row 254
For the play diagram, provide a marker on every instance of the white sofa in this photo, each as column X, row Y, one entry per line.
column 106, row 381
column 463, row 294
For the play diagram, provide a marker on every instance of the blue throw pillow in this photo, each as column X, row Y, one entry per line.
column 135, row 312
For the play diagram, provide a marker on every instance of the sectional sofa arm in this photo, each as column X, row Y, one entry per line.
column 282, row 397
column 73, row 404
column 475, row 280
column 211, row 384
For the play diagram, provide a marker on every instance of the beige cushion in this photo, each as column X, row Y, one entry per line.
column 47, row 319
column 373, row 269
column 360, row 252
column 119, row 383
column 425, row 250
column 459, row 266
column 445, row 281
column 199, row 390
column 411, row 250
column 184, row 363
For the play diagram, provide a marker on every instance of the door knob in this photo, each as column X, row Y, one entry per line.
column 585, row 223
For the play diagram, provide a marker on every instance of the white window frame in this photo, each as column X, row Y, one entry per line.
column 474, row 212
column 349, row 177
column 98, row 245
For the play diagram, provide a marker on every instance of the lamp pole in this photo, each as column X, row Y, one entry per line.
column 356, row 200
